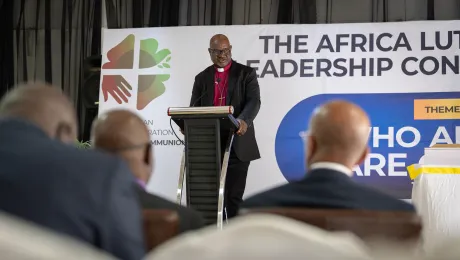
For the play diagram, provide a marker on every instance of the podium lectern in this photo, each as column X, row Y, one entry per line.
column 435, row 193
column 202, row 167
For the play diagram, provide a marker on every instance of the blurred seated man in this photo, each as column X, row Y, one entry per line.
column 336, row 143
column 123, row 133
column 45, row 179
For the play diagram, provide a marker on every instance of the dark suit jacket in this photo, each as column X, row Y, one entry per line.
column 85, row 194
column 243, row 94
column 324, row 188
column 189, row 219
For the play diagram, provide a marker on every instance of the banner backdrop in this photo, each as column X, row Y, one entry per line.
column 405, row 75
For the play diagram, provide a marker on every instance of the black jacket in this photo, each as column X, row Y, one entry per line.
column 85, row 194
column 243, row 94
column 324, row 188
column 189, row 219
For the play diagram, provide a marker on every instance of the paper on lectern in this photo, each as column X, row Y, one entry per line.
column 442, row 154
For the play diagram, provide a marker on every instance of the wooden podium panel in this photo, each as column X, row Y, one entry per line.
column 202, row 163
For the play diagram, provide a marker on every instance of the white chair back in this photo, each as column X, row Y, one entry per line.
column 20, row 240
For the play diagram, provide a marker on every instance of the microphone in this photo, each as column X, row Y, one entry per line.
column 198, row 99
column 202, row 95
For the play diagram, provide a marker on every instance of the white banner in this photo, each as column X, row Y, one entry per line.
column 405, row 75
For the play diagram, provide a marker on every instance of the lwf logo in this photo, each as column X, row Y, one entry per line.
column 121, row 60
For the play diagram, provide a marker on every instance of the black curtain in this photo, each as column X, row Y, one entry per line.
column 155, row 13
column 430, row 10
column 306, row 10
column 6, row 46
column 142, row 13
column 48, row 40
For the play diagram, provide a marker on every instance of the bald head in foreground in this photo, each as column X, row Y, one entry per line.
column 336, row 142
column 338, row 133
column 46, row 107
column 123, row 133
column 45, row 179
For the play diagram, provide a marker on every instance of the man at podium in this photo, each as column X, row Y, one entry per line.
column 228, row 83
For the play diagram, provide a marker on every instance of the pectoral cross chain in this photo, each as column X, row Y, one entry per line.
column 221, row 99
column 222, row 92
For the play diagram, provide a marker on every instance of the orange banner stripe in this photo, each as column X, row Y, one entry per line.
column 433, row 109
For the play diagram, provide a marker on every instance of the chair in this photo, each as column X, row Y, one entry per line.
column 23, row 240
column 159, row 225
column 400, row 226
column 262, row 236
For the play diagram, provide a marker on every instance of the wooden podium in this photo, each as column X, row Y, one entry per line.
column 202, row 168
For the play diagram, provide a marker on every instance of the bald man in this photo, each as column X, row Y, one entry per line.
column 123, row 133
column 336, row 143
column 229, row 83
column 45, row 179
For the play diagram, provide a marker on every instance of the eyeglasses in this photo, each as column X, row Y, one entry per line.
column 146, row 147
column 220, row 52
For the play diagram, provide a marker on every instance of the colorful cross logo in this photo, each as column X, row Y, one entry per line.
column 121, row 57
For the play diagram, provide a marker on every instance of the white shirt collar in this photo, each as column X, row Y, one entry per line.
column 332, row 166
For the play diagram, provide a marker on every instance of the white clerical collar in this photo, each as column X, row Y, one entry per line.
column 332, row 166
column 227, row 67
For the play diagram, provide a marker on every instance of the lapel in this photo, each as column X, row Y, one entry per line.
column 232, row 77
column 210, row 85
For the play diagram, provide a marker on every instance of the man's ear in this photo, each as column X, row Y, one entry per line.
column 364, row 155
column 64, row 133
column 310, row 149
column 148, row 160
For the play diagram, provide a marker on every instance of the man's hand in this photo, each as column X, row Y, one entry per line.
column 243, row 127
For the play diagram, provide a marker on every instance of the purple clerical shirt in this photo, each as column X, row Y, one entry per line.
column 221, row 85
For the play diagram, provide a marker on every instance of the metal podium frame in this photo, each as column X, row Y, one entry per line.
column 210, row 112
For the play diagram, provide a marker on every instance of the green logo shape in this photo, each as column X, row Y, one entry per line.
column 151, row 86
column 150, row 56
